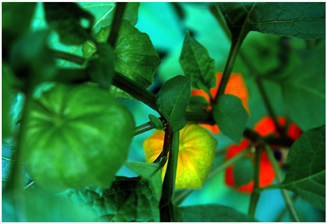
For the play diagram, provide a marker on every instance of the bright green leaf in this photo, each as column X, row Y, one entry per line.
column 33, row 64
column 128, row 199
column 230, row 116
column 197, row 64
column 101, row 68
column 135, row 56
column 81, row 134
column 67, row 19
column 294, row 19
column 197, row 102
column 306, row 174
column 210, row 213
column 172, row 100
column 243, row 171
column 156, row 122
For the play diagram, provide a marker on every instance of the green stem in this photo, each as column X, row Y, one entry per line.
column 181, row 195
column 67, row 56
column 116, row 23
column 220, row 19
column 143, row 128
column 72, row 76
column 168, row 186
column 281, row 215
column 287, row 197
column 255, row 194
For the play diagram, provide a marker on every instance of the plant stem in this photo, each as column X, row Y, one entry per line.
column 255, row 194
column 67, row 56
column 116, row 23
column 287, row 197
column 281, row 215
column 72, row 76
column 181, row 195
column 143, row 128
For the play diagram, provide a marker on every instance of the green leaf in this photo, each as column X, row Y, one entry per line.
column 198, row 102
column 243, row 171
column 230, row 116
column 197, row 64
column 7, row 163
column 156, row 122
column 135, row 56
column 80, row 133
column 304, row 92
column 101, row 68
column 299, row 19
column 128, row 199
column 306, row 174
column 33, row 64
column 211, row 213
column 67, row 20
column 42, row 206
column 104, row 13
column 172, row 100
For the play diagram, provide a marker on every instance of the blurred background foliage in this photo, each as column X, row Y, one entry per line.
column 166, row 24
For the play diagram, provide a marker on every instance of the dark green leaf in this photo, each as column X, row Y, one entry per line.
column 243, row 171
column 306, row 174
column 197, row 64
column 210, row 213
column 198, row 102
column 33, row 64
column 80, row 133
column 135, row 56
column 7, row 163
column 67, row 20
column 299, row 19
column 101, row 68
column 16, row 21
column 230, row 116
column 304, row 92
column 42, row 206
column 156, row 122
column 128, row 199
column 172, row 100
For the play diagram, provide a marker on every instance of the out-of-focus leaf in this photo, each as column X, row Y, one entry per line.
column 66, row 18
column 230, row 116
column 135, row 56
column 299, row 19
column 101, row 68
column 243, row 171
column 156, row 122
column 210, row 213
column 78, row 136
column 42, row 206
column 307, row 173
column 172, row 100
column 127, row 200
column 197, row 64
column 304, row 92
column 197, row 102
column 31, row 60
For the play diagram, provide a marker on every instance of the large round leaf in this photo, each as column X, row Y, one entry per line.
column 77, row 136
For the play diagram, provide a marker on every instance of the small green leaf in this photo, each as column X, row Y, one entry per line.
column 135, row 56
column 307, row 173
column 101, row 68
column 197, row 64
column 172, row 100
column 294, row 19
column 156, row 122
column 16, row 21
column 67, row 19
column 128, row 200
column 243, row 171
column 210, row 213
column 198, row 102
column 304, row 92
column 33, row 64
column 230, row 116
column 81, row 133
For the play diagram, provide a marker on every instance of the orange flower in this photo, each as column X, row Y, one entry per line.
column 235, row 86
column 264, row 127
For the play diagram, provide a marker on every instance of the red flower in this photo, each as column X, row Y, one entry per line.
column 267, row 175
